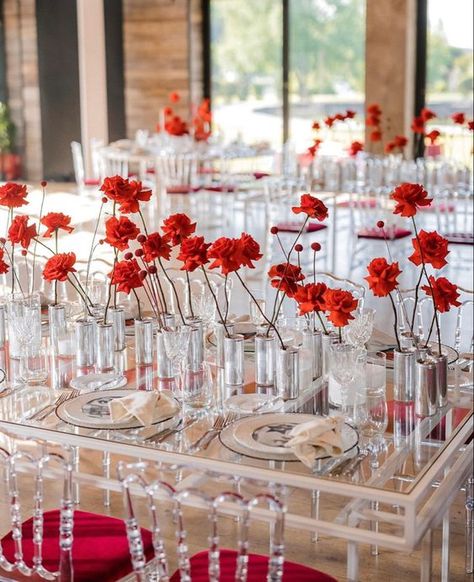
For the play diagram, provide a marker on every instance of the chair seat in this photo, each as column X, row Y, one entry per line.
column 99, row 551
column 295, row 227
column 220, row 188
column 365, row 203
column 181, row 189
column 257, row 571
column 460, row 238
column 91, row 182
column 377, row 233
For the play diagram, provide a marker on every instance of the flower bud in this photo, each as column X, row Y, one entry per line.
column 380, row 223
column 128, row 256
column 3, row 240
column 104, row 199
column 152, row 269
column 316, row 246
column 139, row 253
column 44, row 183
column 274, row 230
column 141, row 238
column 298, row 248
column 142, row 275
column 24, row 252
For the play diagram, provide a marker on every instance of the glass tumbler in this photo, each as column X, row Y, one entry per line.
column 34, row 368
column 196, row 385
column 376, row 415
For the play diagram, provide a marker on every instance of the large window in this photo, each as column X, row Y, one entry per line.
column 450, row 71
column 317, row 45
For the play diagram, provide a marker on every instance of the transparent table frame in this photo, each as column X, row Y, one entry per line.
column 395, row 503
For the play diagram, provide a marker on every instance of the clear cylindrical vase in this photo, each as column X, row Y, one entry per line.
column 426, row 393
column 85, row 342
column 163, row 362
column 234, row 360
column 117, row 318
column 57, row 325
column 312, row 341
column 196, row 343
column 327, row 339
column 288, row 372
column 2, row 326
column 404, row 374
column 105, row 347
column 441, row 363
column 144, row 342
column 220, row 333
column 265, row 359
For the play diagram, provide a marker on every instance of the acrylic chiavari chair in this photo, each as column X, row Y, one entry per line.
column 216, row 563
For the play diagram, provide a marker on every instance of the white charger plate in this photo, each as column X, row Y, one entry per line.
column 91, row 410
column 264, row 436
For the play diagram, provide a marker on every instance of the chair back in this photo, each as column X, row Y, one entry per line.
column 358, row 291
column 177, row 170
column 36, row 465
column 78, row 163
column 97, row 159
column 134, row 482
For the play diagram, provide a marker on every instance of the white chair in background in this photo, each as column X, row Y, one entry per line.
column 82, row 182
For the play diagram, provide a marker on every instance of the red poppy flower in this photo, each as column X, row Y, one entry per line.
column 13, row 195
column 126, row 275
column 174, row 97
column 350, row 114
column 426, row 114
column 390, row 147
column 311, row 206
column 156, row 246
column 329, row 121
column 355, row 148
column 310, row 297
column 409, row 197
column 226, row 253
column 54, row 221
column 433, row 136
column 193, row 253
column 418, row 125
column 434, row 249
column 249, row 250
column 57, row 268
column 119, row 231
column 459, row 118
column 4, row 268
column 20, row 233
column 340, row 304
column 374, row 109
column 444, row 293
column 286, row 277
column 400, row 141
column 178, row 227
column 316, row 126
column 382, row 277
column 375, row 136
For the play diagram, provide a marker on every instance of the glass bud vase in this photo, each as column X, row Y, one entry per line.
column 2, row 326
column 105, row 347
column 234, row 360
column 196, row 343
column 426, row 396
column 220, row 333
column 288, row 372
column 144, row 342
column 57, row 325
column 312, row 341
column 327, row 339
column 441, row 363
column 117, row 318
column 164, row 363
column 85, row 342
column 265, row 359
column 404, row 374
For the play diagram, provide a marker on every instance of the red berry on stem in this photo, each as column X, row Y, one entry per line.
column 274, row 230
column 128, row 256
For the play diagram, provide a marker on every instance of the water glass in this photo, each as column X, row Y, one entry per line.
column 196, row 385
column 359, row 330
column 176, row 341
column 34, row 368
column 343, row 365
column 256, row 316
column 376, row 417
column 24, row 315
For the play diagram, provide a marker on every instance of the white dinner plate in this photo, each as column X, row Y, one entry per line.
column 91, row 410
column 264, row 436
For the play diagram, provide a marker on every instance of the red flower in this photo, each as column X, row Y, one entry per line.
column 444, row 293
column 126, row 275
column 340, row 304
column 400, row 141
column 434, row 249
column 193, row 253
column 355, row 148
column 249, row 250
column 470, row 125
column 375, row 135
column 226, row 253
column 390, row 147
column 126, row 193
column 176, row 126
column 174, row 97
column 418, row 125
column 408, row 198
column 156, row 246
column 374, row 109
column 329, row 121
column 286, row 277
column 340, row 117
column 54, row 221
column 433, row 136
column 178, row 227
column 372, row 121
column 350, row 114
column 20, row 233
column 116, row 188
column 459, row 118
column 4, row 268
column 13, row 195
column 313, row 150
column 167, row 111
column 57, row 268
column 316, row 126
column 311, row 206
column 310, row 297
column 382, row 277
column 426, row 114
column 119, row 231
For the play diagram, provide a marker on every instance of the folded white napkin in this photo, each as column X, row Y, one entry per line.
column 142, row 405
column 317, row 438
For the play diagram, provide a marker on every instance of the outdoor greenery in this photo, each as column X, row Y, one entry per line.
column 7, row 130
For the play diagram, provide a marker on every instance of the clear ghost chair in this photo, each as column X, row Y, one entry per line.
column 151, row 558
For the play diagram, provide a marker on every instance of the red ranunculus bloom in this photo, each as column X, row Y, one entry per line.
column 426, row 114
column 311, row 206
column 249, row 250
column 178, row 227
column 382, row 277
column 445, row 293
column 13, row 195
column 156, row 246
column 131, row 203
column 116, row 188
column 350, row 114
column 126, row 276
column 389, row 147
column 20, row 233
column 433, row 136
column 408, row 198
column 372, row 121
column 434, row 249
column 119, row 231
column 340, row 304
column 400, row 141
column 310, row 297
column 176, row 126
column 54, row 221
column 459, row 118
column 355, row 148
column 375, row 136
column 57, row 268
column 193, row 253
column 329, row 121
column 4, row 268
column 174, row 97
column 226, row 253
column 374, row 109
column 470, row 125
column 418, row 125
column 340, row 117
column 286, row 277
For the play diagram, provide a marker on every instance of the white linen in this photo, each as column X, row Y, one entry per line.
column 317, row 438
column 145, row 406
